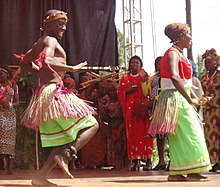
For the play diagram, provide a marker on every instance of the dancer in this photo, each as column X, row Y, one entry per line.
column 65, row 121
column 174, row 113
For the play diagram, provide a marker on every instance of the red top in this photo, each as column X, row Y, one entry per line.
column 185, row 69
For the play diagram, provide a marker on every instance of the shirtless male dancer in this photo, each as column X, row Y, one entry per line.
column 65, row 122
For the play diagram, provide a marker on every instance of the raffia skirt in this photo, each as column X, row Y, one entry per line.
column 59, row 120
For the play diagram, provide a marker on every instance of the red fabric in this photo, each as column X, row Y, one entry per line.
column 139, row 146
column 185, row 69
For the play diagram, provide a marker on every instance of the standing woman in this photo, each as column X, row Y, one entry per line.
column 9, row 99
column 139, row 145
column 175, row 114
column 211, row 87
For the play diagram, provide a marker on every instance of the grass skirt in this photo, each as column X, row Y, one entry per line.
column 44, row 107
column 165, row 114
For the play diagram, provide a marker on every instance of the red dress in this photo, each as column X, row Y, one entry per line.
column 139, row 145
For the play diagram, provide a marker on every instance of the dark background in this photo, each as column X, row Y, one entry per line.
column 90, row 35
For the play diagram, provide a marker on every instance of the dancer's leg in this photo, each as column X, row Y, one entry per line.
column 84, row 136
column 69, row 152
column 47, row 167
column 160, row 147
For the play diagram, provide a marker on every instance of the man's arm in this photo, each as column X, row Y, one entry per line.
column 57, row 63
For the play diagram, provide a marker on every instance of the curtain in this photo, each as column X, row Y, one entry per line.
column 91, row 33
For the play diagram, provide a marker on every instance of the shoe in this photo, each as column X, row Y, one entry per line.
column 148, row 165
column 136, row 166
column 215, row 168
column 160, row 167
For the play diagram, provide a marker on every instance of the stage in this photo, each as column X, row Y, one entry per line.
column 103, row 178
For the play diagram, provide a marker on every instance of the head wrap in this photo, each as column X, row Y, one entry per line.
column 70, row 81
column 211, row 54
column 54, row 15
column 174, row 30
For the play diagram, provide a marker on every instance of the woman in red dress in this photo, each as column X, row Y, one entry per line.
column 139, row 145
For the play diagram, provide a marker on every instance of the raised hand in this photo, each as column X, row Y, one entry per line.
column 144, row 75
column 79, row 66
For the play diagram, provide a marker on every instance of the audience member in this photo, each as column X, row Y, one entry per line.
column 9, row 99
column 211, row 86
column 139, row 145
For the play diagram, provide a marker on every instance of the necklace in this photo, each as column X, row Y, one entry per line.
column 180, row 50
column 211, row 75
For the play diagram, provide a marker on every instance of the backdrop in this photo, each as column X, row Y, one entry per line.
column 91, row 33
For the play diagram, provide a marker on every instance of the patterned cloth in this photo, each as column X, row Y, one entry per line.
column 211, row 88
column 7, row 125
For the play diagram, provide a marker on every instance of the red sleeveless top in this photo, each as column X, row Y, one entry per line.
column 185, row 69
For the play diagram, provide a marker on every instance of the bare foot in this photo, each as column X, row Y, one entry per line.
column 63, row 163
column 176, row 178
column 197, row 177
column 42, row 182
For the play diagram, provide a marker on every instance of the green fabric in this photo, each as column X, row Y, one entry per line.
column 188, row 150
column 63, row 131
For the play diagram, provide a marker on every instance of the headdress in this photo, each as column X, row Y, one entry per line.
column 174, row 30
column 211, row 54
column 55, row 16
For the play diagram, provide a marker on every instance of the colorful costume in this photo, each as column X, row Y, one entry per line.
column 7, row 124
column 60, row 119
column 139, row 145
column 211, row 87
column 175, row 116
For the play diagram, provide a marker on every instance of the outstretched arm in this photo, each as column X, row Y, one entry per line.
column 58, row 64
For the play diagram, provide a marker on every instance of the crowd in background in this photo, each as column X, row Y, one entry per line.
column 123, row 140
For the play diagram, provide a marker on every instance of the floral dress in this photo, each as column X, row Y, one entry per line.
column 7, row 124
column 211, row 87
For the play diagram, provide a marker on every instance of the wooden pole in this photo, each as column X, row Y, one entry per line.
column 189, row 22
column 37, row 153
